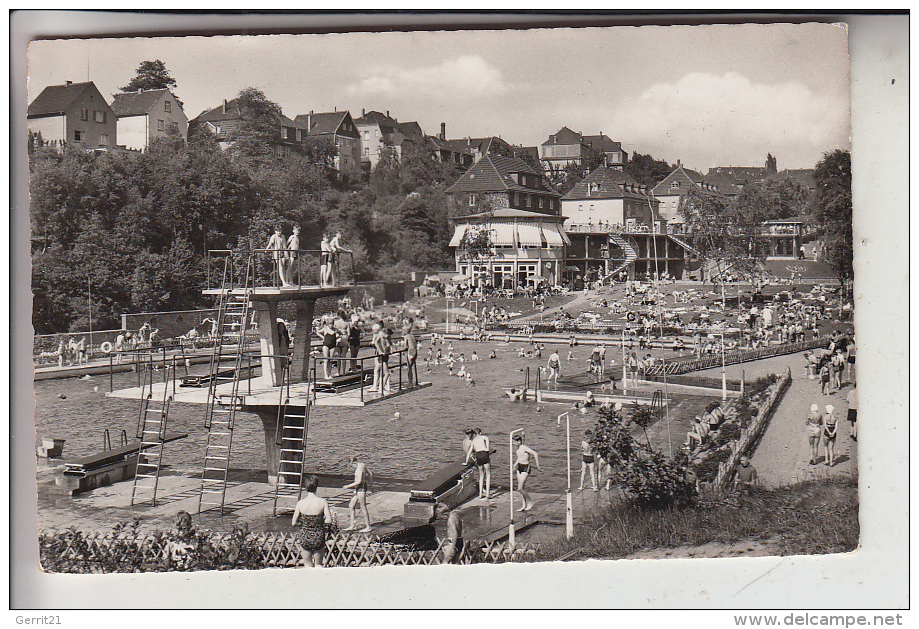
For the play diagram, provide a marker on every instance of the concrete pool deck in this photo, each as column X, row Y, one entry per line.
column 252, row 502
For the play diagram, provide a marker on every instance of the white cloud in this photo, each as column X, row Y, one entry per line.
column 469, row 75
column 707, row 119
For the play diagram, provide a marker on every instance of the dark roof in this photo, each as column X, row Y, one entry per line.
column 724, row 184
column 602, row 143
column 492, row 174
column 608, row 186
column 287, row 122
column 57, row 99
column 136, row 103
column 680, row 174
column 563, row 136
column 217, row 114
column 375, row 117
column 322, row 123
column 507, row 212
column 741, row 175
column 412, row 131
column 532, row 151
column 803, row 176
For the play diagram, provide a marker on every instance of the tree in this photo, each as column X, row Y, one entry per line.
column 259, row 126
column 151, row 75
column 778, row 197
column 646, row 170
column 832, row 209
column 771, row 164
column 723, row 235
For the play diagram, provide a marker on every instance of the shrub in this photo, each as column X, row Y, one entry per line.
column 648, row 478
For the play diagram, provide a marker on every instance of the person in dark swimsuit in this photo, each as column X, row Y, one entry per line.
column 480, row 452
column 524, row 452
column 329, row 338
column 312, row 512
column 830, row 429
column 588, row 461
column 325, row 261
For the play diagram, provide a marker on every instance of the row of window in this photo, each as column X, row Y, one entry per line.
column 80, row 136
column 173, row 126
column 98, row 116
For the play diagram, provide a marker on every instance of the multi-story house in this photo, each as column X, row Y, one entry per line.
column 519, row 211
column 449, row 150
column 146, row 115
column 381, row 134
column 570, row 147
column 615, row 227
column 73, row 114
column 339, row 126
column 222, row 121
column 671, row 190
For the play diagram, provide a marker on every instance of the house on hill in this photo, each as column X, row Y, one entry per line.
column 223, row 121
column 496, row 182
column 72, row 114
column 379, row 134
column 146, row 115
column 671, row 190
column 338, row 126
column 571, row 147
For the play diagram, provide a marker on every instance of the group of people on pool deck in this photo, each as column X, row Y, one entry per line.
column 477, row 448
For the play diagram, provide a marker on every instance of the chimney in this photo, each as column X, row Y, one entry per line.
column 68, row 82
column 363, row 112
column 678, row 165
column 224, row 106
column 443, row 130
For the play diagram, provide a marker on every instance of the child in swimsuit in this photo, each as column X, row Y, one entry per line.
column 814, row 425
column 360, row 486
column 587, row 461
column 554, row 365
column 830, row 428
column 524, row 453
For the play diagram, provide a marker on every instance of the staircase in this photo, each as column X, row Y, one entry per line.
column 292, row 430
column 628, row 251
column 233, row 325
column 151, row 431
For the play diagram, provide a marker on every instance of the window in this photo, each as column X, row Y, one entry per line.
column 100, row 116
column 168, row 106
column 674, row 185
column 527, row 197
column 472, row 200
column 513, row 199
column 591, row 207
column 174, row 127
column 103, row 140
column 77, row 136
column 366, row 136
column 367, row 151
column 84, row 114
column 160, row 125
column 580, row 207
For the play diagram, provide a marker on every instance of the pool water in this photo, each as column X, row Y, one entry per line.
column 428, row 434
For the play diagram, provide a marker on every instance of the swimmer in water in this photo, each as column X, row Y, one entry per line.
column 524, row 452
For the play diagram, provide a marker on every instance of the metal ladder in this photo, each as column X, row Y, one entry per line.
column 292, row 430
column 234, row 313
column 657, row 403
column 152, row 434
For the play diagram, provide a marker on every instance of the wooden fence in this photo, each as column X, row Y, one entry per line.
column 133, row 551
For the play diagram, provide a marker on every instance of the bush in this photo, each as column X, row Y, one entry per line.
column 647, row 477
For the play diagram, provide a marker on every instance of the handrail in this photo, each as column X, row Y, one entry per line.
column 300, row 257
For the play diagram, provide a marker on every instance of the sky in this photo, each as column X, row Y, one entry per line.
column 720, row 95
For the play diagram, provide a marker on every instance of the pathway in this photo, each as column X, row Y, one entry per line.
column 782, row 456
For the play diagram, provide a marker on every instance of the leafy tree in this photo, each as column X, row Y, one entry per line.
column 647, row 170
column 258, row 129
column 151, row 75
column 778, row 197
column 771, row 164
column 832, row 209
column 724, row 235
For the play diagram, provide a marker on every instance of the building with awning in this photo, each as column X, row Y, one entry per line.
column 524, row 248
